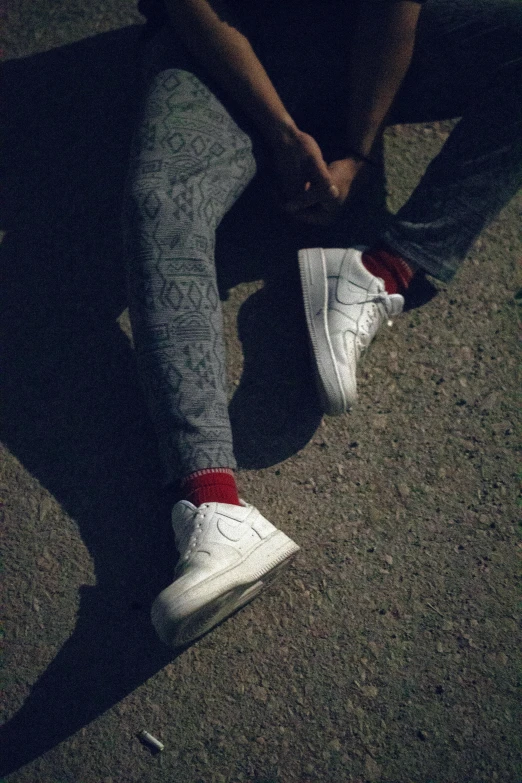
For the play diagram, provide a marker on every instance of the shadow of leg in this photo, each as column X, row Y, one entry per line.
column 275, row 410
column 74, row 421
column 112, row 651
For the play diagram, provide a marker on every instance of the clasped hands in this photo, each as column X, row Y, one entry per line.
column 312, row 191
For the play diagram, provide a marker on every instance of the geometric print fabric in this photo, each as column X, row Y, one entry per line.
column 189, row 164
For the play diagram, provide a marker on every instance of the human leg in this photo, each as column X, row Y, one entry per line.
column 190, row 162
column 468, row 63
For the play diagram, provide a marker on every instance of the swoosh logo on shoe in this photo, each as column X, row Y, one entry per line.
column 232, row 529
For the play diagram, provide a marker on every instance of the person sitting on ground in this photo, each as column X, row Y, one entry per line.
column 217, row 104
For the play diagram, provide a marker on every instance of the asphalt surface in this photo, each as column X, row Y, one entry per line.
column 389, row 650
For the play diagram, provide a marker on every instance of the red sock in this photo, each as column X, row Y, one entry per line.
column 210, row 485
column 390, row 267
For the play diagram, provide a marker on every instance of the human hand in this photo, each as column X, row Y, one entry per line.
column 307, row 207
column 304, row 177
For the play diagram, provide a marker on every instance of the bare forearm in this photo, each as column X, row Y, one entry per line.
column 227, row 54
column 380, row 58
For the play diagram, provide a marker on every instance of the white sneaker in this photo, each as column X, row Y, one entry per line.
column 344, row 305
column 228, row 555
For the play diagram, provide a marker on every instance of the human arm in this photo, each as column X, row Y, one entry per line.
column 381, row 53
column 380, row 58
column 226, row 53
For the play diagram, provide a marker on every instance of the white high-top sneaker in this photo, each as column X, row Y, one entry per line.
column 228, row 555
column 345, row 305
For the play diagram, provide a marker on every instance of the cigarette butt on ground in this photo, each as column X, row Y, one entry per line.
column 150, row 740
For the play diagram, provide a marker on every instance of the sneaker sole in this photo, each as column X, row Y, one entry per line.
column 314, row 283
column 180, row 619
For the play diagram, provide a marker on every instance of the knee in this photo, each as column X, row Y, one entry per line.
column 186, row 190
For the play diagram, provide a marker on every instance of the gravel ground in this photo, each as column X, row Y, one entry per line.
column 389, row 650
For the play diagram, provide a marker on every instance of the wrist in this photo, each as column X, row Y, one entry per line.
column 360, row 158
column 351, row 164
column 280, row 131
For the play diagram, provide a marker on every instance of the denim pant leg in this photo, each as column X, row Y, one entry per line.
column 468, row 64
column 190, row 162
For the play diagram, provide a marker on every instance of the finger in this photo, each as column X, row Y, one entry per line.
column 320, row 177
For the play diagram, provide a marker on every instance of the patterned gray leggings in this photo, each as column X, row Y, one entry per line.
column 191, row 160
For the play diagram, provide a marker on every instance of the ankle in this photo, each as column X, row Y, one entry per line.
column 396, row 271
column 209, row 485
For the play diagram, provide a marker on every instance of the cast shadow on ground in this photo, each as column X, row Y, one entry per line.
column 73, row 410
column 73, row 413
